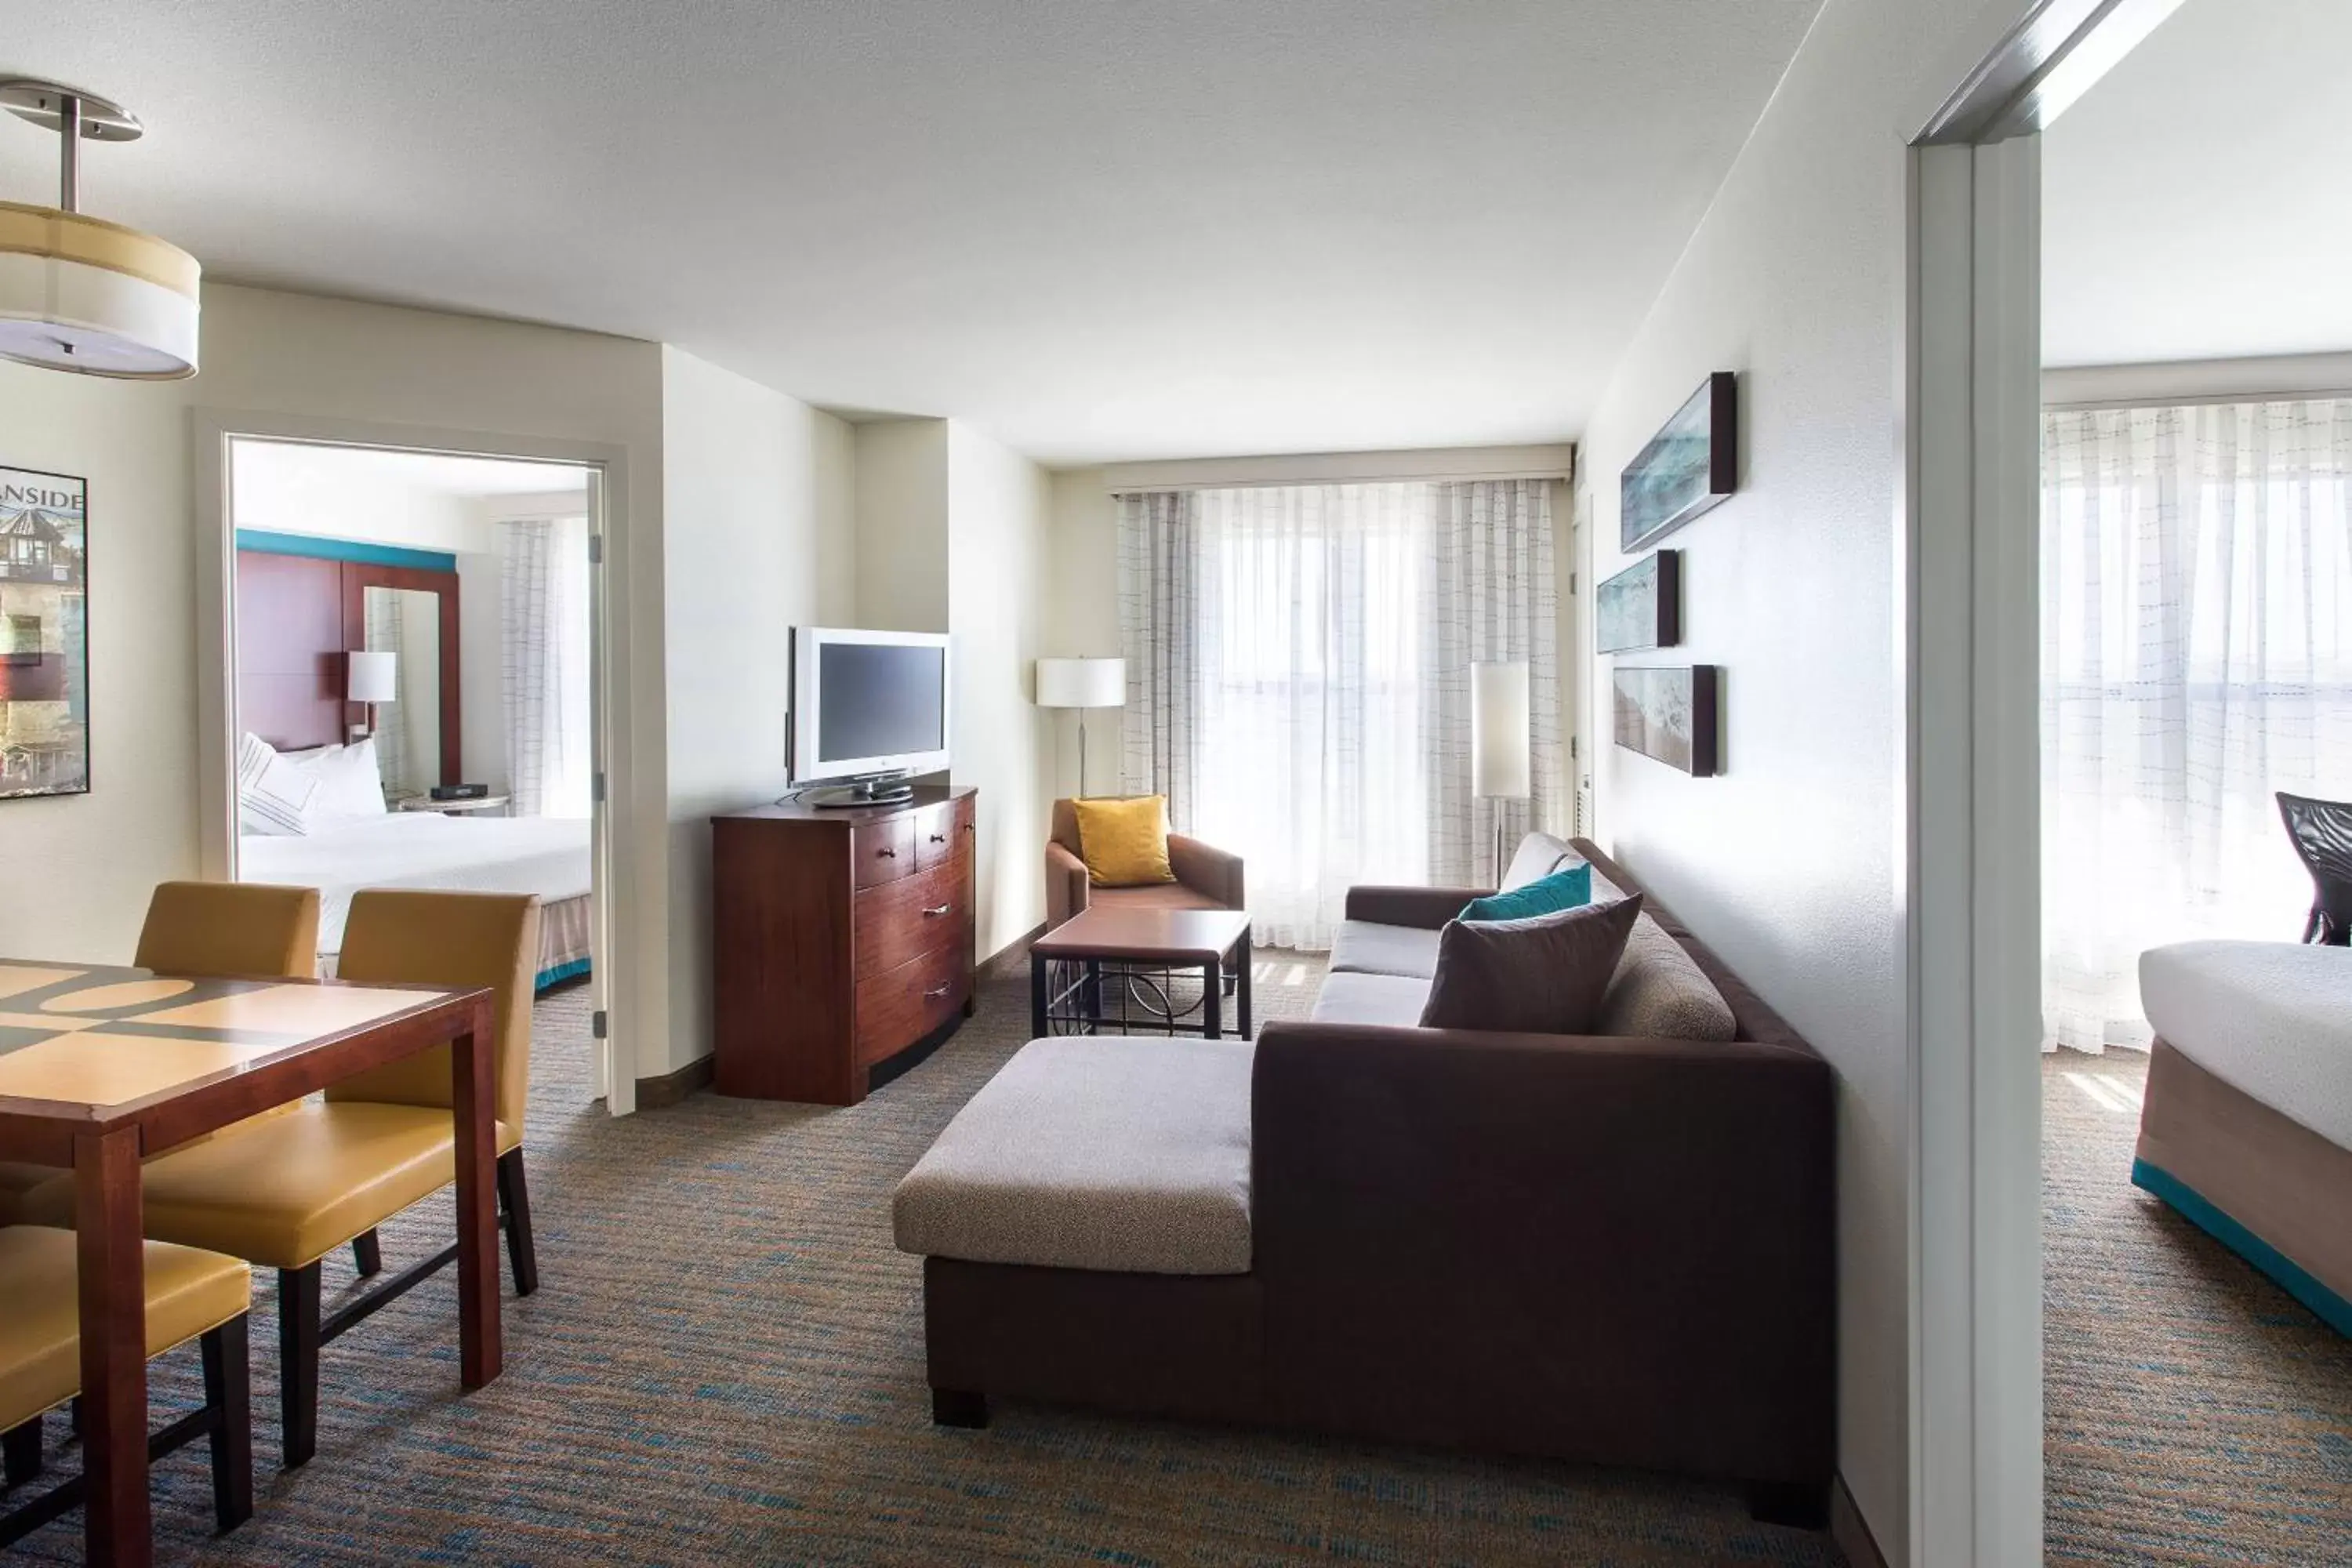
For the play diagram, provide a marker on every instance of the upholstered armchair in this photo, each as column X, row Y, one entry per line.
column 1206, row 879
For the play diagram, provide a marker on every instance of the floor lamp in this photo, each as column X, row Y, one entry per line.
column 1499, row 762
column 1082, row 683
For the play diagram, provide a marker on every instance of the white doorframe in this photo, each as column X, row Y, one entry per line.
column 215, row 548
column 1970, row 846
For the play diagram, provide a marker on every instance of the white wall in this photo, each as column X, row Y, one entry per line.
column 294, row 355
column 998, row 505
column 1081, row 621
column 901, row 510
column 1787, row 863
column 755, row 482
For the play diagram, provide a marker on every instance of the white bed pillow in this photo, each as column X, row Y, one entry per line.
column 351, row 783
column 274, row 794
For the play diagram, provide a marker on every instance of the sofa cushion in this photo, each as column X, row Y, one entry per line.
column 1129, row 1155
column 1538, row 855
column 1569, row 888
column 1659, row 992
column 1371, row 998
column 1545, row 974
column 1367, row 947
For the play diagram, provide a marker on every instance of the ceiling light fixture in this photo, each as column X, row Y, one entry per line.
column 79, row 294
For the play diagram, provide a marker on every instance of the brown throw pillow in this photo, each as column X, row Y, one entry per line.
column 1542, row 975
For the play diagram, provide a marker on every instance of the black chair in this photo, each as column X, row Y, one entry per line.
column 2321, row 832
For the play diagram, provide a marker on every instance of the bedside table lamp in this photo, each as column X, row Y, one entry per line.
column 371, row 678
column 1500, row 767
column 1082, row 683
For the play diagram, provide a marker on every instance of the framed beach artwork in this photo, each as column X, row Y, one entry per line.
column 44, row 634
column 1641, row 607
column 1669, row 714
column 1689, row 466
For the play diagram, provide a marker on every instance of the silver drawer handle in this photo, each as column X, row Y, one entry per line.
column 940, row 992
column 888, row 853
column 939, row 839
column 935, row 913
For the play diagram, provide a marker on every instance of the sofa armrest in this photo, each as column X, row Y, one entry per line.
column 1641, row 1231
column 1426, row 909
column 1067, row 887
column 1208, row 871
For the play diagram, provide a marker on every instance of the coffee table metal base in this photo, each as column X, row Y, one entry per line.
column 1095, row 996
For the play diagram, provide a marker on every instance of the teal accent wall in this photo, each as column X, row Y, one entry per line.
column 345, row 550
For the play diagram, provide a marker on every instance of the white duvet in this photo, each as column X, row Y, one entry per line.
column 542, row 854
column 2271, row 1019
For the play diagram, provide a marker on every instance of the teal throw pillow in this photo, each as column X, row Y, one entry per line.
column 1569, row 888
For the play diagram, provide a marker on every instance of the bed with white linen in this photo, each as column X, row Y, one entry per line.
column 542, row 854
column 2246, row 1126
column 317, row 818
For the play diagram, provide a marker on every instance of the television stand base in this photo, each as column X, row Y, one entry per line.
column 845, row 797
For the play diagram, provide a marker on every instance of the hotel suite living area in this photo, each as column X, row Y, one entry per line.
column 929, row 785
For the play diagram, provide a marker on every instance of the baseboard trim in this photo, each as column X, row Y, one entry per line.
column 1851, row 1532
column 654, row 1093
column 1012, row 961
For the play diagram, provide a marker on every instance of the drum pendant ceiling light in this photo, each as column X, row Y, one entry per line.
column 79, row 294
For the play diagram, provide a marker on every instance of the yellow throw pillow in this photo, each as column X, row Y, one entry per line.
column 1124, row 842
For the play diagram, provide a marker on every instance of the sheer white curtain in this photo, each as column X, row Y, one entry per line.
column 544, row 589
column 2197, row 632
column 1298, row 662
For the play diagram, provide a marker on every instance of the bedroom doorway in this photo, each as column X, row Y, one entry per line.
column 413, row 699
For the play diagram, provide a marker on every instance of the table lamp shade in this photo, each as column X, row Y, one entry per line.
column 1499, row 763
column 371, row 677
column 1082, row 683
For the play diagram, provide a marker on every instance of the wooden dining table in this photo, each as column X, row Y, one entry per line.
column 101, row 1065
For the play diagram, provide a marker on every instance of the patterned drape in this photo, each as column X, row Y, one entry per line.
column 544, row 668
column 1299, row 678
column 2197, row 656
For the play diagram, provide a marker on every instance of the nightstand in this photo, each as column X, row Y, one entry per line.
column 426, row 803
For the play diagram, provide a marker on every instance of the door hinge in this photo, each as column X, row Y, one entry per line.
column 1574, row 743
column 595, row 549
column 596, row 788
column 596, row 1024
column 1572, row 585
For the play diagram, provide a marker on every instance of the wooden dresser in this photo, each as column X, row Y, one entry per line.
column 842, row 938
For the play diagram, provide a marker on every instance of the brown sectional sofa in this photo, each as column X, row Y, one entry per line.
column 1608, row 1249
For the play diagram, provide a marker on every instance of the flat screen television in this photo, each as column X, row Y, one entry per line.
column 869, row 710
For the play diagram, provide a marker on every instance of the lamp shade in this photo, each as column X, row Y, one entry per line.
column 372, row 677
column 1499, row 763
column 1082, row 683
column 79, row 294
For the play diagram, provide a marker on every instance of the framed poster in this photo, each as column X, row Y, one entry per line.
column 1689, row 466
column 1669, row 714
column 1641, row 607
column 44, row 634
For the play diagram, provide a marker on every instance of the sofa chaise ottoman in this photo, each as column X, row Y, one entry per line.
column 1615, row 1249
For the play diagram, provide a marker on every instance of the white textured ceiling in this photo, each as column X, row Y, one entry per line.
column 2197, row 202
column 1096, row 229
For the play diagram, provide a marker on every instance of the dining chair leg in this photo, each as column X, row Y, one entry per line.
column 298, row 1362
column 228, row 1388
column 514, row 1197
column 20, row 1451
column 367, row 1252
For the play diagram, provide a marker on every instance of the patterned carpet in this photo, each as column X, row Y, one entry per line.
column 2195, row 1412
column 724, row 1364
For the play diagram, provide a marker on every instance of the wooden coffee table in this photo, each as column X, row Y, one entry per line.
column 1162, row 939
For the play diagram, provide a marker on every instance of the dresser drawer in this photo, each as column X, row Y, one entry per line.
column 942, row 832
column 897, row 1008
column 905, row 918
column 883, row 851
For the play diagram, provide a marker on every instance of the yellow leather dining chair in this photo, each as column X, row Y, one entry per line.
column 191, row 1295
column 208, row 929
column 286, row 1191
